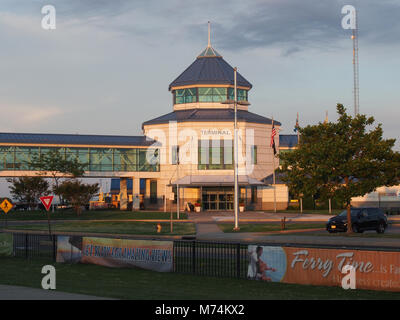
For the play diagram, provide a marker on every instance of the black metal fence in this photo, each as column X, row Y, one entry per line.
column 215, row 259
column 34, row 246
column 195, row 257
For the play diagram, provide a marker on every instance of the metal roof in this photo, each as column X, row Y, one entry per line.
column 216, row 180
column 74, row 139
column 209, row 70
column 288, row 140
column 210, row 115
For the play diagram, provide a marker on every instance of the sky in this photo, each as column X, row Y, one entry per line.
column 106, row 67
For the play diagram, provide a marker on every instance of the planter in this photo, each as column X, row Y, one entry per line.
column 197, row 209
column 241, row 208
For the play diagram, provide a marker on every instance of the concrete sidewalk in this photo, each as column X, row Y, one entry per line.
column 25, row 293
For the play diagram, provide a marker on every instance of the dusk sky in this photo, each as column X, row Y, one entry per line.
column 106, row 67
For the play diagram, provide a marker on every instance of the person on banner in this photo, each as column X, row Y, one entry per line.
column 257, row 267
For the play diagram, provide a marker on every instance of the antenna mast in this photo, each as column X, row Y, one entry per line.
column 355, row 66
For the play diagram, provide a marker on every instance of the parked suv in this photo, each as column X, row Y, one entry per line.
column 361, row 219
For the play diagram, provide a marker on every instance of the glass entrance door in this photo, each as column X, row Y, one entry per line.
column 217, row 199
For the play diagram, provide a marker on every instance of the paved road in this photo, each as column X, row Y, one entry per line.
column 25, row 293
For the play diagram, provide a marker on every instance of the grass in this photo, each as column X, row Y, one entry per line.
column 134, row 227
column 267, row 227
column 88, row 215
column 139, row 284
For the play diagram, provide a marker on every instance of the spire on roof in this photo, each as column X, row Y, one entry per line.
column 209, row 51
column 209, row 35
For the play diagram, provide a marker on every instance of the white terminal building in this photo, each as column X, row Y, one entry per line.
column 190, row 147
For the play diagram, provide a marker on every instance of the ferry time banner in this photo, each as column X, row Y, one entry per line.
column 375, row 270
column 146, row 254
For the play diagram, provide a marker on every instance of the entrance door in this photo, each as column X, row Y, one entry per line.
column 217, row 199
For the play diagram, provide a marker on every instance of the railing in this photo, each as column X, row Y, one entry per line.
column 211, row 258
column 34, row 246
column 206, row 258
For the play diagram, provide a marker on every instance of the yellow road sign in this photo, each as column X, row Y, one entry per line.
column 6, row 205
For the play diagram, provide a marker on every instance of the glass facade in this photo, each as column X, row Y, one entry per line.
column 210, row 94
column 218, row 154
column 241, row 94
column 94, row 159
column 215, row 155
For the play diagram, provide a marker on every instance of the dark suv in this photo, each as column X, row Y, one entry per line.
column 361, row 219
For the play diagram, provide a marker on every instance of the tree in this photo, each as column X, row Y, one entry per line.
column 57, row 166
column 78, row 194
column 341, row 160
column 29, row 189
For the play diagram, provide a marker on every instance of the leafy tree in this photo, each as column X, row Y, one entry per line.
column 78, row 194
column 57, row 166
column 341, row 160
column 29, row 189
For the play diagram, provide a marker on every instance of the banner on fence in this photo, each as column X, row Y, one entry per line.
column 69, row 249
column 6, row 244
column 146, row 254
column 376, row 270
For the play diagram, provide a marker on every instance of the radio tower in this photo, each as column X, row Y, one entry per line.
column 354, row 37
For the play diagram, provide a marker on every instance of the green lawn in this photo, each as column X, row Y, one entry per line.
column 137, row 228
column 266, row 227
column 142, row 284
column 88, row 215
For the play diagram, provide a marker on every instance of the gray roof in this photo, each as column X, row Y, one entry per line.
column 210, row 115
column 288, row 140
column 216, row 180
column 75, row 139
column 209, row 70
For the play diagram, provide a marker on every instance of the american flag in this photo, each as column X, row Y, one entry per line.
column 273, row 134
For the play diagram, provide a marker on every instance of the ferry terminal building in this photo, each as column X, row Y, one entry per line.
column 192, row 146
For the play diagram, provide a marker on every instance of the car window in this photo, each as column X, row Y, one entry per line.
column 354, row 213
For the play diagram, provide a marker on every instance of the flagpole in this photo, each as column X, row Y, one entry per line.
column 273, row 170
column 235, row 157
column 298, row 141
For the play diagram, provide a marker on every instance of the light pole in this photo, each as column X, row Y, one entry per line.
column 235, row 157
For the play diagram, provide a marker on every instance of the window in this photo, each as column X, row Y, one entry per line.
column 241, row 94
column 100, row 159
column 212, row 94
column 94, row 159
column 253, row 194
column 215, row 154
column 153, row 191
column 254, row 155
column 174, row 154
column 185, row 95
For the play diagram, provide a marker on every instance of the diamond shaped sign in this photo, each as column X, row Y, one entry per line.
column 47, row 201
column 6, row 205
